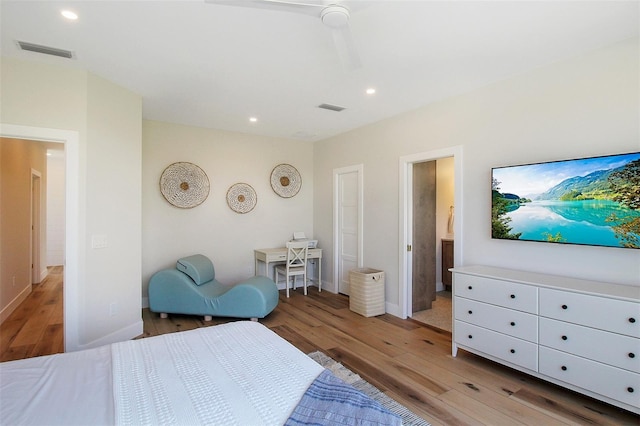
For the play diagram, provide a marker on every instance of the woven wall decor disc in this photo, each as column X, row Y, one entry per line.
column 285, row 180
column 241, row 198
column 184, row 185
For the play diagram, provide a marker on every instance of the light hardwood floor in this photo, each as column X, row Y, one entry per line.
column 409, row 361
column 35, row 327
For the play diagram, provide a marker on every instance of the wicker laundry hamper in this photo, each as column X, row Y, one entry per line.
column 366, row 291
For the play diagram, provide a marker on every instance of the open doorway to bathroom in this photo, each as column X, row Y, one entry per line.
column 433, row 210
column 430, row 184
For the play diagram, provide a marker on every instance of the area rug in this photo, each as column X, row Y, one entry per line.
column 348, row 376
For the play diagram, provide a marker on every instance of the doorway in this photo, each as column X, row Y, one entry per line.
column 71, row 141
column 347, row 224
column 406, row 254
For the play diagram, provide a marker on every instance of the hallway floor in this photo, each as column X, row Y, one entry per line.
column 439, row 315
column 36, row 326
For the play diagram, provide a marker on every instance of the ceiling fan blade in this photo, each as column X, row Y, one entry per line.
column 279, row 5
column 346, row 47
column 335, row 16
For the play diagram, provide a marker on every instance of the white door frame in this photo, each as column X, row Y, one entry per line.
column 405, row 216
column 359, row 168
column 74, row 228
column 36, row 223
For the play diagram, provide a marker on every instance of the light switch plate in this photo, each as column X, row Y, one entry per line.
column 98, row 241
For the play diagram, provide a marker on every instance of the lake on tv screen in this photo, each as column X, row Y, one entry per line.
column 577, row 222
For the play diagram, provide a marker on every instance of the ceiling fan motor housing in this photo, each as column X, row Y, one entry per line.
column 335, row 16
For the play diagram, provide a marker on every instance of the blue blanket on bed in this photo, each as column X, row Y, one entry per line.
column 330, row 401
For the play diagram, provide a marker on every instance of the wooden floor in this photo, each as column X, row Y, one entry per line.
column 411, row 362
column 35, row 327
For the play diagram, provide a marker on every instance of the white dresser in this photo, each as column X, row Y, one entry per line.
column 583, row 335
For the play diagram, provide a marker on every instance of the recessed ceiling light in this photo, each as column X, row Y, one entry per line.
column 69, row 15
column 253, row 119
column 371, row 91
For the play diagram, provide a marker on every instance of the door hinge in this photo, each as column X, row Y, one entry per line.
column 408, row 247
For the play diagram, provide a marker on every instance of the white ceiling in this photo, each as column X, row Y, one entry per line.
column 213, row 65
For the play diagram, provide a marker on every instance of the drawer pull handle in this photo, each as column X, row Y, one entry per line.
column 470, row 336
column 632, row 320
column 632, row 355
column 470, row 287
column 513, row 351
column 513, row 296
column 630, row 389
column 565, row 307
column 564, row 337
column 470, row 311
column 513, row 324
column 563, row 368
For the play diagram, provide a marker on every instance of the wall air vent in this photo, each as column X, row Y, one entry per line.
column 330, row 107
column 31, row 47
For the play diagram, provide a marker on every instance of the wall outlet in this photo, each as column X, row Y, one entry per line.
column 113, row 309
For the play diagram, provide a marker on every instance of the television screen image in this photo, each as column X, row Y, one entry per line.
column 588, row 201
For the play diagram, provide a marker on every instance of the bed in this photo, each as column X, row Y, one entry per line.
column 239, row 373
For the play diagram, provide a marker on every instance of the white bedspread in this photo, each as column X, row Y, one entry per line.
column 62, row 389
column 239, row 373
column 234, row 374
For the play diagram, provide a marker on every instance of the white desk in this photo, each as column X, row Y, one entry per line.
column 279, row 255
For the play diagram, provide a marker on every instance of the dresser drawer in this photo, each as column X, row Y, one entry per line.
column 609, row 348
column 497, row 292
column 614, row 383
column 510, row 349
column 514, row 323
column 618, row 316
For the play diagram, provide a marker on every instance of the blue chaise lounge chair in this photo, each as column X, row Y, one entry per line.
column 192, row 289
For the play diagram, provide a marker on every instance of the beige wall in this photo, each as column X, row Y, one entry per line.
column 584, row 106
column 212, row 228
column 18, row 159
column 108, row 121
column 113, row 179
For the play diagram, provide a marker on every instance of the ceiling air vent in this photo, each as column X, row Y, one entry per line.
column 45, row 49
column 330, row 107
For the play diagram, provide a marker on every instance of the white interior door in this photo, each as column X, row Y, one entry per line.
column 347, row 224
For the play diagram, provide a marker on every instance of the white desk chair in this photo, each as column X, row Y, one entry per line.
column 295, row 265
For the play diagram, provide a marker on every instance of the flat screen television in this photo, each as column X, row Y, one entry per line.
column 589, row 201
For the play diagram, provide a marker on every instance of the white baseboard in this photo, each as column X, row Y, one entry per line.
column 11, row 306
column 145, row 302
column 126, row 333
column 43, row 274
column 393, row 309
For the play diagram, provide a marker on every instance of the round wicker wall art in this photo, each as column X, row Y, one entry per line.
column 184, row 185
column 285, row 180
column 241, row 198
